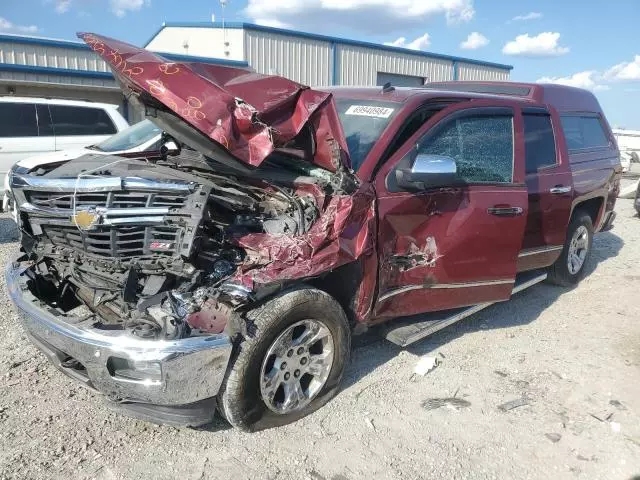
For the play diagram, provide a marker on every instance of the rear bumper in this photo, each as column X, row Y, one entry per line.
column 128, row 370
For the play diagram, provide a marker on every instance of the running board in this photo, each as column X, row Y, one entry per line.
column 406, row 331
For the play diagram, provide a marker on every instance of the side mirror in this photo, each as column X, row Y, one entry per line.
column 428, row 171
column 169, row 148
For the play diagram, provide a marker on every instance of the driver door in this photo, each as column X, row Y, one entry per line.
column 454, row 245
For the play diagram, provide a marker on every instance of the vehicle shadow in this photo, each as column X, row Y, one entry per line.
column 8, row 230
column 522, row 309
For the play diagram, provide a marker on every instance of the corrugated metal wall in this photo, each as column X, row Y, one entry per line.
column 302, row 60
column 49, row 56
column 473, row 72
column 60, row 79
column 360, row 65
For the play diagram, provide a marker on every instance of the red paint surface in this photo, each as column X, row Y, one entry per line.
column 247, row 113
column 447, row 234
column 549, row 214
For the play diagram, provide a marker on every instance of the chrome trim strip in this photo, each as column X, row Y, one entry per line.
column 101, row 184
column 157, row 220
column 536, row 251
column 409, row 288
column 105, row 212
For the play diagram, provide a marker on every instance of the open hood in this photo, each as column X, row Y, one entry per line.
column 233, row 115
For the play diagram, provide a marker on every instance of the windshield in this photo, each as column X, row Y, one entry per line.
column 363, row 122
column 129, row 138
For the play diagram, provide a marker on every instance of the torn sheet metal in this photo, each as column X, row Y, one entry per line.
column 246, row 113
column 343, row 233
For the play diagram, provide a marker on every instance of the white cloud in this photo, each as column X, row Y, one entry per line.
column 419, row 43
column 62, row 6
column 544, row 44
column 474, row 41
column 121, row 7
column 376, row 16
column 601, row 81
column 625, row 71
column 272, row 22
column 7, row 26
column 587, row 80
column 526, row 17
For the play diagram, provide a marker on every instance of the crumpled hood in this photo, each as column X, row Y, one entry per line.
column 241, row 115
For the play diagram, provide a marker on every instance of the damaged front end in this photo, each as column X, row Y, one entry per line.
column 123, row 267
column 136, row 275
column 166, row 254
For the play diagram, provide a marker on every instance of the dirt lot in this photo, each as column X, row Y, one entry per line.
column 572, row 355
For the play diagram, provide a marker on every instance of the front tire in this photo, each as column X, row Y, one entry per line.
column 291, row 362
column 569, row 269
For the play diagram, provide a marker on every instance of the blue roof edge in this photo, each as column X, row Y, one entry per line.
column 327, row 38
column 17, row 67
column 26, row 40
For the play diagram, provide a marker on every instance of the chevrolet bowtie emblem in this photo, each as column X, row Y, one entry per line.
column 86, row 219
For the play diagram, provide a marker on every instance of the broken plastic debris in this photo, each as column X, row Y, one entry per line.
column 554, row 437
column 618, row 404
column 453, row 402
column 370, row 424
column 425, row 365
column 519, row 402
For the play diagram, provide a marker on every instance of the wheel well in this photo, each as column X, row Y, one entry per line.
column 592, row 207
column 342, row 284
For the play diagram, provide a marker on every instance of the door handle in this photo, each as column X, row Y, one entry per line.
column 505, row 211
column 559, row 190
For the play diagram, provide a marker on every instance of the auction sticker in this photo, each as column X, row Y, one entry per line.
column 369, row 111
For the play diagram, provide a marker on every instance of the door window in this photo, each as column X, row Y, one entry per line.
column 539, row 142
column 481, row 145
column 68, row 120
column 583, row 132
column 18, row 120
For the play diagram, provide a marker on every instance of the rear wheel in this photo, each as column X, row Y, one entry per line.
column 291, row 362
column 570, row 266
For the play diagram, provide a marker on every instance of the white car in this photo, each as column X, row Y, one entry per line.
column 141, row 137
column 32, row 126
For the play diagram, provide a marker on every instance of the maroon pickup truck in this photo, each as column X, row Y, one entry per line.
column 230, row 273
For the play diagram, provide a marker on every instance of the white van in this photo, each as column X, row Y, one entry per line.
column 30, row 126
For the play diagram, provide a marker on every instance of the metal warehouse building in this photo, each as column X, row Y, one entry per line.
column 41, row 67
column 319, row 59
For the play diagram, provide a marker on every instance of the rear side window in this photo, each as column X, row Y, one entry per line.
column 583, row 132
column 69, row 120
column 18, row 120
column 481, row 145
column 539, row 143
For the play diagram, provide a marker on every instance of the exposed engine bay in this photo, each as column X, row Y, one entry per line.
column 152, row 247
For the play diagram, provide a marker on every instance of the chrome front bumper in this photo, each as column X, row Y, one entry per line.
column 123, row 367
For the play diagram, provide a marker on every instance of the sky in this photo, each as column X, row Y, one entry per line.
column 592, row 44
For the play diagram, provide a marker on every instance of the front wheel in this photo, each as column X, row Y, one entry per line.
column 290, row 363
column 570, row 267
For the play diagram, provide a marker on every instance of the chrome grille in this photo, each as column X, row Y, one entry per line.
column 130, row 199
column 118, row 242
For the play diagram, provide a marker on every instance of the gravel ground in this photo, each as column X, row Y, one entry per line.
column 571, row 358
